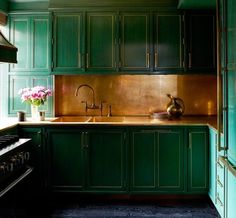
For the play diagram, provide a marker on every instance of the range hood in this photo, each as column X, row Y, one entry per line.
column 8, row 51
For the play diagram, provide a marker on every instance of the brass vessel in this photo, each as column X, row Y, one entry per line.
column 175, row 108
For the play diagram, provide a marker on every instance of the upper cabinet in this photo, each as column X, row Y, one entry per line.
column 199, row 4
column 31, row 35
column 67, row 42
column 201, row 42
column 135, row 41
column 168, row 52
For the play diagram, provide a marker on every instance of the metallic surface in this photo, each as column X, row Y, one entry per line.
column 135, row 94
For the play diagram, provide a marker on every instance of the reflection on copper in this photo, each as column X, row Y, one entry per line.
column 136, row 94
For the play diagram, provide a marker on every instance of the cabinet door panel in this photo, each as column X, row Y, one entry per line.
column 40, row 44
column 106, row 161
column 101, row 34
column 67, row 46
column 66, row 159
column 135, row 42
column 198, row 161
column 20, row 37
column 143, row 160
column 170, row 160
column 168, row 49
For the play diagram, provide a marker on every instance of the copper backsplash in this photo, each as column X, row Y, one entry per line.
column 135, row 94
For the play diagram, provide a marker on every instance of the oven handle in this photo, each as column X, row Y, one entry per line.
column 15, row 182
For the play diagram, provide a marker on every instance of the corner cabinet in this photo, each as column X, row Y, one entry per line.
column 157, row 160
column 32, row 36
column 198, row 152
column 87, row 160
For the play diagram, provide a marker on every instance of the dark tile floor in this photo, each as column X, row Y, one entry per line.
column 72, row 207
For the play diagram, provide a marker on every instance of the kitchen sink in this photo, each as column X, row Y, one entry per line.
column 106, row 119
column 82, row 119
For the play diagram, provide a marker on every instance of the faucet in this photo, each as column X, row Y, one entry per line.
column 91, row 106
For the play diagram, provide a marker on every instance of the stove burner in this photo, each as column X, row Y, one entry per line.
column 6, row 140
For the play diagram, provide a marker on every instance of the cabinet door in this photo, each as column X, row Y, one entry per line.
column 20, row 37
column 40, row 44
column 168, row 42
column 36, row 134
column 198, row 160
column 170, row 160
column 143, row 160
column 212, row 164
column 106, row 161
column 65, row 159
column 201, row 47
column 68, row 38
column 101, row 39
column 231, row 196
column 135, row 42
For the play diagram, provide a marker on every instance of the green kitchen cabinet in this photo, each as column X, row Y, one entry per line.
column 198, row 161
column 168, row 47
column 101, row 41
column 68, row 43
column 212, row 164
column 31, row 35
column 17, row 82
column 37, row 159
column 157, row 160
column 134, row 41
column 200, row 52
column 106, row 160
column 65, row 159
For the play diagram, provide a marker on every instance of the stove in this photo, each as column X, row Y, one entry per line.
column 14, row 161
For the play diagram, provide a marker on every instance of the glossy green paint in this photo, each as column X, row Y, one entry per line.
column 231, row 196
column 4, row 6
column 22, row 81
column 201, row 42
column 31, row 35
column 37, row 144
column 212, row 164
column 135, row 41
column 168, row 42
column 157, row 160
column 68, row 36
column 101, row 41
column 198, row 166
column 199, row 4
column 66, row 169
column 106, row 161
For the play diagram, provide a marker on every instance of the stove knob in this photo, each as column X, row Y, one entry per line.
column 26, row 156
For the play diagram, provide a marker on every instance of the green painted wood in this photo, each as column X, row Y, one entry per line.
column 36, row 135
column 170, row 160
column 143, row 160
column 168, row 42
column 67, row 47
column 106, row 161
column 201, row 55
column 32, row 6
column 40, row 43
column 135, row 41
column 198, row 160
column 101, row 36
column 66, row 168
column 4, row 6
column 199, row 4
column 231, row 196
column 212, row 164
column 20, row 37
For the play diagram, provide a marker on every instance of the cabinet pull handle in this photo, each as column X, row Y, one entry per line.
column 218, row 199
column 148, row 60
column 219, row 182
column 87, row 61
column 156, row 59
column 79, row 59
column 190, row 60
column 218, row 164
column 190, row 141
column 227, row 164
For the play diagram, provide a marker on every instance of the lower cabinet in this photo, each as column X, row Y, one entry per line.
column 198, row 154
column 157, row 160
column 231, row 195
column 87, row 160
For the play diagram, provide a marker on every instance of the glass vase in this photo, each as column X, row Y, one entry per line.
column 35, row 112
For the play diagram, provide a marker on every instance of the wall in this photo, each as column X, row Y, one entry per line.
column 136, row 95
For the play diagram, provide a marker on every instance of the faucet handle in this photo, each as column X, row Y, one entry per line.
column 101, row 106
column 86, row 106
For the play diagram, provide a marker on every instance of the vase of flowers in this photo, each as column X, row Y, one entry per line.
column 36, row 97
